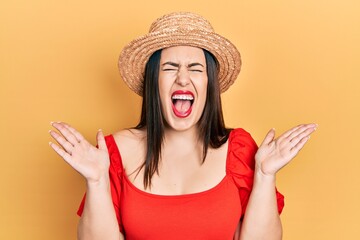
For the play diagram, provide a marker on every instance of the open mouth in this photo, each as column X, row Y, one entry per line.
column 182, row 102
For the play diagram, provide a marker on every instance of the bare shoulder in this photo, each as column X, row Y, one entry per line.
column 130, row 136
column 131, row 144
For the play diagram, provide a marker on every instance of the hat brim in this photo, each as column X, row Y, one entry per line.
column 135, row 55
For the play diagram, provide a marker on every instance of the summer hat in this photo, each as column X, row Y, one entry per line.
column 174, row 29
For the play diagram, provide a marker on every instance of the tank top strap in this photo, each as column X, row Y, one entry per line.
column 240, row 163
column 241, row 152
column 116, row 172
column 114, row 155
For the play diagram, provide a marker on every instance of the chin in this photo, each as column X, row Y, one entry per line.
column 182, row 124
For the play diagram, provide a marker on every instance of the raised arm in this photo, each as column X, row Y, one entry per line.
column 98, row 220
column 261, row 220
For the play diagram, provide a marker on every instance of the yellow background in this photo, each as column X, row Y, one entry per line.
column 58, row 61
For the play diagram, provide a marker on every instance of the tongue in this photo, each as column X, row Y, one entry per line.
column 182, row 106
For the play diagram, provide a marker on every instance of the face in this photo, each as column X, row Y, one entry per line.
column 182, row 86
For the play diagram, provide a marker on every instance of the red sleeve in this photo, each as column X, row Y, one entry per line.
column 115, row 173
column 241, row 165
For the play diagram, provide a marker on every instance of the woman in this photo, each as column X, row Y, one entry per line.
column 180, row 173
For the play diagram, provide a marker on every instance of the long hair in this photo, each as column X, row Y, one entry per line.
column 212, row 130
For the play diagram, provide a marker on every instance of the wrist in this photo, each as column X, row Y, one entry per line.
column 102, row 181
column 261, row 177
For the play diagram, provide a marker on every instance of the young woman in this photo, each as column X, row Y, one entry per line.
column 180, row 173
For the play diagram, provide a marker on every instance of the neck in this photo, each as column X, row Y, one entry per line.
column 184, row 141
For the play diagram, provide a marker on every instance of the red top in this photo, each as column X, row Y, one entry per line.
column 211, row 214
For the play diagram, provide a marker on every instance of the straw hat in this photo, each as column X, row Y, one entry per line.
column 179, row 28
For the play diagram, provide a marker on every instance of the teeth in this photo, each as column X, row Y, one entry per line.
column 183, row 97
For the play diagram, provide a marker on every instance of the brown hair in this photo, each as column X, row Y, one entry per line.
column 212, row 130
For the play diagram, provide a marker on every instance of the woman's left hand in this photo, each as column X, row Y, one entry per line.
column 274, row 153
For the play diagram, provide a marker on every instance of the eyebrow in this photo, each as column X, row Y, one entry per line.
column 195, row 64
column 171, row 63
column 178, row 65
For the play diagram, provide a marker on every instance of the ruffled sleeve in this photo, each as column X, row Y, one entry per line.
column 241, row 165
column 115, row 174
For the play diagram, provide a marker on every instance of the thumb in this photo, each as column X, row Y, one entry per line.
column 269, row 137
column 101, row 140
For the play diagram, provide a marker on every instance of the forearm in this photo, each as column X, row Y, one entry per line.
column 261, row 220
column 98, row 220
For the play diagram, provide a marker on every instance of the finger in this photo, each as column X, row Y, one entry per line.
column 299, row 145
column 62, row 141
column 269, row 137
column 101, row 139
column 290, row 131
column 294, row 131
column 78, row 135
column 302, row 132
column 66, row 156
column 65, row 132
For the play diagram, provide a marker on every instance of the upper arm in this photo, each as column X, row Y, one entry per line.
column 237, row 231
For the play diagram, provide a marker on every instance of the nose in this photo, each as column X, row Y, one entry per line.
column 183, row 77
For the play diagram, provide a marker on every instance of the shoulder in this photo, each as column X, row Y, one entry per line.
column 241, row 136
column 130, row 136
column 131, row 144
column 241, row 152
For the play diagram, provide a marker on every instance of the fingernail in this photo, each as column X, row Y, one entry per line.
column 50, row 143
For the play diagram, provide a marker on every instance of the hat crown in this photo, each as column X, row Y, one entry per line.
column 181, row 21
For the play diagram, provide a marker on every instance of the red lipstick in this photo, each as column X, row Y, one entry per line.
column 182, row 103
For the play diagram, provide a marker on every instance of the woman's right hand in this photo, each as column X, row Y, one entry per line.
column 91, row 162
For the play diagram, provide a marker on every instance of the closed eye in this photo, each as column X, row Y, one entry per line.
column 169, row 69
column 196, row 70
column 196, row 67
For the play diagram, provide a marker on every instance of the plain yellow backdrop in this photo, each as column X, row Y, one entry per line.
column 58, row 61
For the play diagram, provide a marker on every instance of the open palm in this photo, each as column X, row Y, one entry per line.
column 273, row 154
column 89, row 161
